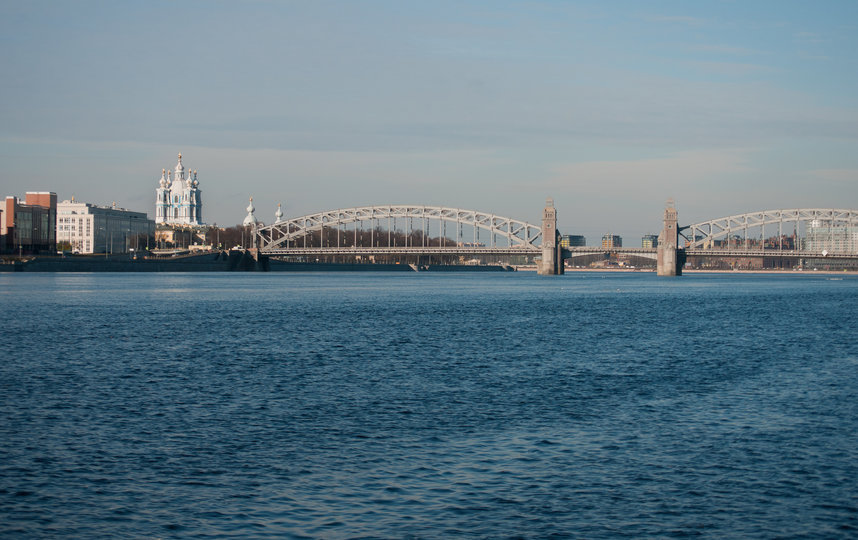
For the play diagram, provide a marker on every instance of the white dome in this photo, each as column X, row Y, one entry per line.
column 250, row 219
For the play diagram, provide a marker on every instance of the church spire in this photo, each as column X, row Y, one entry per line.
column 180, row 169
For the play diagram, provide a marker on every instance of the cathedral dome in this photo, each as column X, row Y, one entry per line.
column 250, row 219
column 163, row 181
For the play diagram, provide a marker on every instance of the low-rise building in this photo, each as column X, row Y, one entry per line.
column 649, row 241
column 612, row 241
column 29, row 227
column 89, row 228
column 174, row 236
column 572, row 240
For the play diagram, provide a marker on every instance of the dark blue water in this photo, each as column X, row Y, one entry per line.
column 421, row 405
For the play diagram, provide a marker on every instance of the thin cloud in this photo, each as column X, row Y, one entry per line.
column 836, row 175
column 804, row 55
column 676, row 19
column 732, row 69
column 726, row 49
column 645, row 175
column 809, row 37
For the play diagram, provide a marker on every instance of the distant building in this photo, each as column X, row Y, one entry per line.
column 824, row 236
column 88, row 228
column 612, row 241
column 178, row 199
column 649, row 241
column 572, row 240
column 29, row 227
column 179, row 237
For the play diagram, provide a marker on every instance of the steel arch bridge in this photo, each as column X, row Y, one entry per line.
column 518, row 236
column 701, row 235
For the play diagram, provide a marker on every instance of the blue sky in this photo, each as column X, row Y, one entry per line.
column 608, row 107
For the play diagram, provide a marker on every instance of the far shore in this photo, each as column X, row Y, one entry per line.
column 706, row 271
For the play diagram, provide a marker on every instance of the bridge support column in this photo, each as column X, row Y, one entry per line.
column 552, row 253
column 671, row 258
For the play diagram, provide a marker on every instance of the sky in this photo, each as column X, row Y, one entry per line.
column 610, row 108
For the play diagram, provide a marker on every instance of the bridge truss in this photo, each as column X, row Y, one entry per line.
column 505, row 235
column 702, row 236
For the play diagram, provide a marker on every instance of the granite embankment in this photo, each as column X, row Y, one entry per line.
column 218, row 261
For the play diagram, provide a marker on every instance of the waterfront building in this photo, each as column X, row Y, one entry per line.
column 612, row 241
column 572, row 240
column 176, row 237
column 89, row 228
column 825, row 236
column 178, row 199
column 649, row 241
column 29, row 227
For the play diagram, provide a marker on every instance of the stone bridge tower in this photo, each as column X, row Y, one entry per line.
column 671, row 258
column 552, row 258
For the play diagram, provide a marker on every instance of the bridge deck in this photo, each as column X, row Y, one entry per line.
column 768, row 253
column 568, row 253
column 416, row 250
column 698, row 252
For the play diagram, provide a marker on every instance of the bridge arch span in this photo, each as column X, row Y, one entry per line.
column 702, row 235
column 517, row 234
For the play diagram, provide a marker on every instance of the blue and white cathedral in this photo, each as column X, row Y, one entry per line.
column 178, row 199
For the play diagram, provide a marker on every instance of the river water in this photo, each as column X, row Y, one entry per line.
column 428, row 405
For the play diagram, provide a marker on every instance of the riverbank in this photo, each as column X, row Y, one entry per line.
column 772, row 271
column 218, row 261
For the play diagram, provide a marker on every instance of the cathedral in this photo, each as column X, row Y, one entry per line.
column 178, row 199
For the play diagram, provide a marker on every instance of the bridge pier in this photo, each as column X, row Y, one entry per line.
column 552, row 253
column 670, row 257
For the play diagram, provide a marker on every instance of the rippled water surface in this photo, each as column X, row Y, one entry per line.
column 425, row 405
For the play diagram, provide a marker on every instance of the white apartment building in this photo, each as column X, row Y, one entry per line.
column 833, row 238
column 90, row 228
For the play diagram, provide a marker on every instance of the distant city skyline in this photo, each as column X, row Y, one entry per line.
column 726, row 107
